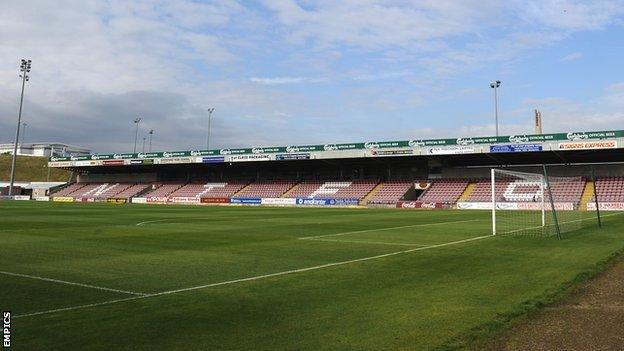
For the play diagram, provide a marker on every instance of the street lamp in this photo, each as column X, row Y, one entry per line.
column 143, row 147
column 136, row 133
column 25, row 69
column 151, row 132
column 210, row 111
column 494, row 85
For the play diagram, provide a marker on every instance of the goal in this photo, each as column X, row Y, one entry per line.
column 535, row 204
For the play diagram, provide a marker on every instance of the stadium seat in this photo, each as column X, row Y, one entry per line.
column 444, row 190
column 391, row 192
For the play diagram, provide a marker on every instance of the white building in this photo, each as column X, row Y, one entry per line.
column 44, row 149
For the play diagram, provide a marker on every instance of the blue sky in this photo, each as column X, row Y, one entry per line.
column 296, row 72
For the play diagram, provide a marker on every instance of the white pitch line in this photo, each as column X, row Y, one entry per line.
column 71, row 308
column 572, row 221
column 71, row 283
column 154, row 221
column 293, row 271
column 387, row 228
column 365, row 242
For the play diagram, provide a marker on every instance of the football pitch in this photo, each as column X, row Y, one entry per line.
column 135, row 277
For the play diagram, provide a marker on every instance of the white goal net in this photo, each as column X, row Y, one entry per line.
column 523, row 203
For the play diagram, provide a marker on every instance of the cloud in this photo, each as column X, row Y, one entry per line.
column 286, row 80
column 571, row 57
column 380, row 76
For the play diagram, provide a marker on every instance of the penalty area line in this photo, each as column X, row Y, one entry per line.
column 364, row 242
column 58, row 281
column 259, row 277
column 387, row 228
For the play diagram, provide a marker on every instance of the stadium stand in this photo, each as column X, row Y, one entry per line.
column 610, row 189
column 444, row 190
column 132, row 191
column 164, row 190
column 99, row 190
column 209, row 190
column 356, row 189
column 266, row 189
column 562, row 191
column 391, row 192
column 69, row 189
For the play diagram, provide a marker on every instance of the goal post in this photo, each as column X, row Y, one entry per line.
column 534, row 204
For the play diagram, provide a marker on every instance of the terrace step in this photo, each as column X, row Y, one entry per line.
column 371, row 194
column 466, row 194
column 242, row 189
column 291, row 190
column 588, row 193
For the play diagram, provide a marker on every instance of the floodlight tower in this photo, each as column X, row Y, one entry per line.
column 24, row 124
column 210, row 111
column 25, row 69
column 136, row 133
column 494, row 85
column 151, row 132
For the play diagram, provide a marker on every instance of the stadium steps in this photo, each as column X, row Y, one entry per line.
column 371, row 194
column 147, row 189
column 466, row 194
column 588, row 193
column 291, row 190
column 242, row 189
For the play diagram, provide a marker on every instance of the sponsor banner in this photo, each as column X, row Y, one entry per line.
column 85, row 163
column 589, row 145
column 171, row 160
column 211, row 159
column 450, row 150
column 515, row 206
column 21, row 197
column 113, row 162
column 80, row 158
column 119, row 200
column 474, row 205
column 537, row 206
column 285, row 157
column 86, row 199
column 215, row 200
column 156, row 199
column 516, row 148
column 183, row 200
column 606, row 206
column 42, row 198
column 253, row 157
column 137, row 162
column 139, row 200
column 392, row 152
column 62, row 199
column 420, row 205
column 279, row 201
column 327, row 202
column 60, row 164
column 246, row 201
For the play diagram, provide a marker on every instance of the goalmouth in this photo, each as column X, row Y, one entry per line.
column 535, row 204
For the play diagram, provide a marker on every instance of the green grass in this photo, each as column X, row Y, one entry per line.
column 31, row 169
column 431, row 298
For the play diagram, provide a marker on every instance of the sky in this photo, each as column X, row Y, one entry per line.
column 283, row 72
